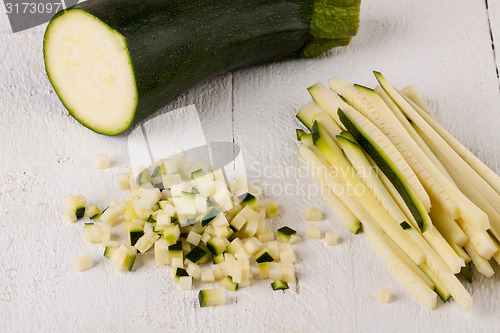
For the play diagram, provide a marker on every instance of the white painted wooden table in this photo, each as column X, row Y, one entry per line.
column 443, row 47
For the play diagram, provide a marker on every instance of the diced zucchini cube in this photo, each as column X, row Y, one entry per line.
column 102, row 161
column 313, row 232
column 273, row 248
column 211, row 297
column 252, row 245
column 193, row 238
column 123, row 181
column 242, row 254
column 267, row 236
column 216, row 246
column 288, row 273
column 271, row 209
column 109, row 251
column 83, row 263
column 287, row 256
column 134, row 232
column 284, row 234
column 186, row 282
column 207, row 275
column 330, row 238
column 263, row 256
column 216, row 269
column 124, row 257
column 384, row 295
column 294, row 239
column 264, row 270
column 172, row 234
column 197, row 254
column 228, row 284
column 312, row 214
column 279, row 285
column 91, row 212
column 274, row 271
column 179, row 272
column 194, row 270
column 161, row 251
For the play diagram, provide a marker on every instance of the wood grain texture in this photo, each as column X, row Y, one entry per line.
column 442, row 47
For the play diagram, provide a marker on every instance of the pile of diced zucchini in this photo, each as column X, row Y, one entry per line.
column 203, row 227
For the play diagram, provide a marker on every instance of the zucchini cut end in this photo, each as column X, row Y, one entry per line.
column 89, row 66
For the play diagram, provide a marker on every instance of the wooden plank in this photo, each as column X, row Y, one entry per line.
column 442, row 47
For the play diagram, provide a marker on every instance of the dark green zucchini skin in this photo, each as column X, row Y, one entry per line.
column 175, row 44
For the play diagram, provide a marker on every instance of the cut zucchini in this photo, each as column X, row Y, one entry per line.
column 361, row 98
column 102, row 161
column 300, row 133
column 249, row 200
column 405, row 225
column 384, row 295
column 263, row 256
column 98, row 55
column 440, row 289
column 179, row 272
column 283, row 234
column 373, row 107
column 197, row 174
column 134, row 232
column 483, row 266
column 172, row 234
column 348, row 136
column 346, row 216
column 124, row 257
column 109, row 251
column 412, row 93
column 271, row 209
column 211, row 297
column 83, row 263
column 364, row 169
column 306, row 114
column 413, row 283
column 206, row 218
column 91, row 212
column 216, row 246
column 175, row 251
column 331, row 238
column 197, row 255
column 482, row 169
column 75, row 205
column 312, row 214
column 228, row 284
column 279, row 285
column 468, row 211
column 356, row 124
column 327, row 101
column 467, row 272
column 369, row 203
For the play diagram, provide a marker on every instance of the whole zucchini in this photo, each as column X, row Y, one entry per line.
column 115, row 62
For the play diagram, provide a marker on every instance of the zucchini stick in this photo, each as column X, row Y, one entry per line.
column 448, row 227
column 470, row 212
column 389, row 109
column 413, row 283
column 377, row 214
column 475, row 163
column 412, row 93
column 483, row 266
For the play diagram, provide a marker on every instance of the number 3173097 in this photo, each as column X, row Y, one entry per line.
column 32, row 7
